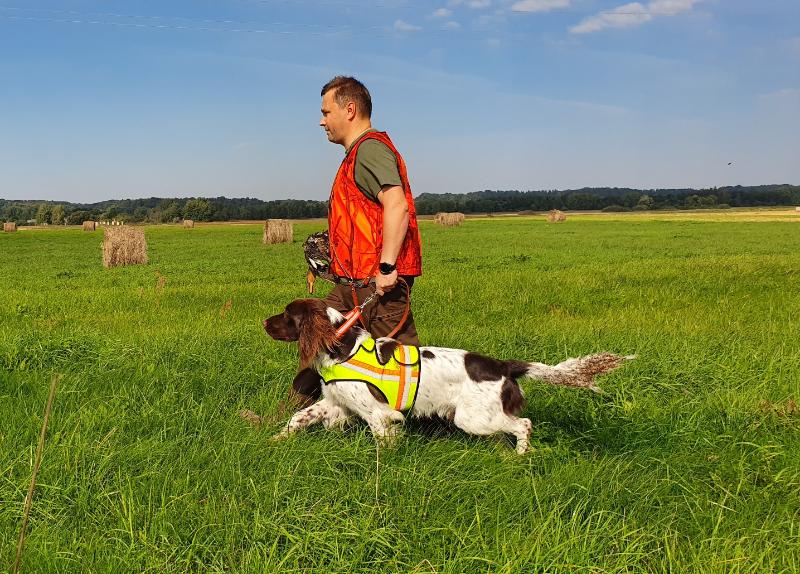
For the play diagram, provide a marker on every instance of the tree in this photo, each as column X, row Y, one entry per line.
column 78, row 217
column 43, row 214
column 198, row 209
column 170, row 213
column 646, row 202
column 708, row 200
column 111, row 212
column 692, row 201
column 139, row 214
column 57, row 215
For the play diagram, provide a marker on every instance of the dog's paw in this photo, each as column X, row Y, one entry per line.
column 390, row 437
column 524, row 448
column 283, row 435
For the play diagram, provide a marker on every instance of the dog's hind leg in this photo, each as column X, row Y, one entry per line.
column 521, row 429
column 481, row 412
column 320, row 411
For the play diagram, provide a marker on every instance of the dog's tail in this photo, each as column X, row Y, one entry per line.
column 578, row 372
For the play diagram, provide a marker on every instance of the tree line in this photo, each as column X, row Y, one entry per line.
column 172, row 210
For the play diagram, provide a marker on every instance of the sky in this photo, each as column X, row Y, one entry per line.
column 202, row 98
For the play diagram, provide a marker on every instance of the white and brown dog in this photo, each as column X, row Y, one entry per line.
column 479, row 394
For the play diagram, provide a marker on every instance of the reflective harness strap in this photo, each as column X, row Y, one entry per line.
column 397, row 380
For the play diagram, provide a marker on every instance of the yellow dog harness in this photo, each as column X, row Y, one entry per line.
column 397, row 379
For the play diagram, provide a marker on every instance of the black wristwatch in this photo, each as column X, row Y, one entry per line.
column 387, row 268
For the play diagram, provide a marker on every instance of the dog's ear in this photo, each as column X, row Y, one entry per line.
column 316, row 330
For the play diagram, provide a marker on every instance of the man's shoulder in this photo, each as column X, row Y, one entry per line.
column 374, row 145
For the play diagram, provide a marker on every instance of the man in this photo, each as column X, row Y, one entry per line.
column 372, row 222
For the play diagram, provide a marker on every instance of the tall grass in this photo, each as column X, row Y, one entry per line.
column 689, row 463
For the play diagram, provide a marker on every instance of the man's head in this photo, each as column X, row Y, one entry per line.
column 346, row 109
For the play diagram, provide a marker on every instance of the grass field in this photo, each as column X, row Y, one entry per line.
column 689, row 463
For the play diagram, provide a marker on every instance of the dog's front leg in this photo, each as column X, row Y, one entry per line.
column 320, row 411
column 386, row 425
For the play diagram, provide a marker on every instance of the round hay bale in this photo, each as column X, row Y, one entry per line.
column 188, row 224
column 124, row 246
column 278, row 231
column 556, row 216
column 9, row 227
column 89, row 225
column 449, row 219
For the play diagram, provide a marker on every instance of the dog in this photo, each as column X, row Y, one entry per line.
column 479, row 394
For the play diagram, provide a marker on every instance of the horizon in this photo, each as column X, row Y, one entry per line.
column 206, row 99
column 416, row 195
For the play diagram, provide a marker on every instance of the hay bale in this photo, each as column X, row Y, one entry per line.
column 449, row 219
column 556, row 216
column 9, row 227
column 278, row 231
column 188, row 224
column 124, row 246
column 89, row 225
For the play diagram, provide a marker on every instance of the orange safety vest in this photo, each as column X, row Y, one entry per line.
column 355, row 222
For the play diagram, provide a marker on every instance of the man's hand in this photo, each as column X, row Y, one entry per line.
column 385, row 283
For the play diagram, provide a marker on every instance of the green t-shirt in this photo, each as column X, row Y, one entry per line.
column 375, row 167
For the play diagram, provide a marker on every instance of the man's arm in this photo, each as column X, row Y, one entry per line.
column 395, row 225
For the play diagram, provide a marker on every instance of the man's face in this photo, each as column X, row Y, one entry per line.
column 334, row 118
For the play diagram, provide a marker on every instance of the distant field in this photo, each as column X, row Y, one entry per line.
column 689, row 463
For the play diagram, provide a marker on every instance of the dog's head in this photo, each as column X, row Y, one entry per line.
column 305, row 321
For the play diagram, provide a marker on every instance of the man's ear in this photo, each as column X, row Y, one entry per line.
column 352, row 110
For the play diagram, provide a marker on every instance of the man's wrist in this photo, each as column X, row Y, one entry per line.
column 386, row 268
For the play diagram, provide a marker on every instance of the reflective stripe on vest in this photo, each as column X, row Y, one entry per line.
column 397, row 380
column 355, row 222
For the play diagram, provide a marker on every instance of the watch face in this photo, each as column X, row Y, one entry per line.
column 386, row 268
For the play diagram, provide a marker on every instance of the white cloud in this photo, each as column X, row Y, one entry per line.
column 479, row 4
column 539, row 5
column 670, row 7
column 401, row 26
column 451, row 25
column 442, row 13
column 632, row 14
column 626, row 15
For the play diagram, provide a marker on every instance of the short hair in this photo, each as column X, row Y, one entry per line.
column 350, row 90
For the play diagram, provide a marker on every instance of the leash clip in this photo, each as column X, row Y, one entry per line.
column 353, row 315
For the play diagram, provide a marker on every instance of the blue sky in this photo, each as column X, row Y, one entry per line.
column 123, row 99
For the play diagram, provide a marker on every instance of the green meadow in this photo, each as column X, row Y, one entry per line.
column 690, row 461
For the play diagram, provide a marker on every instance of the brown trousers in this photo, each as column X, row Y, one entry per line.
column 380, row 316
